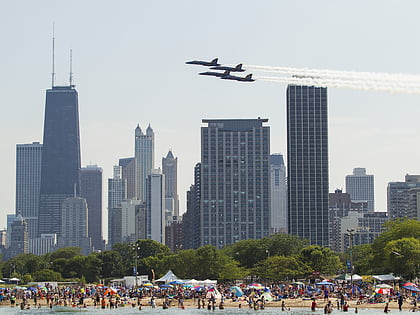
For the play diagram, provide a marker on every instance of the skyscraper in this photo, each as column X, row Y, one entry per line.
column 191, row 218
column 403, row 198
column 117, row 192
column 128, row 167
column 235, row 180
column 278, row 187
column 170, row 170
column 145, row 157
column 307, row 162
column 91, row 190
column 156, row 206
column 28, row 182
column 19, row 237
column 360, row 187
column 60, row 157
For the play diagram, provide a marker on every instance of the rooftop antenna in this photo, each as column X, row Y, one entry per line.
column 53, row 73
column 71, row 68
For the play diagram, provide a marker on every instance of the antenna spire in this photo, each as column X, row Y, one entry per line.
column 53, row 70
column 71, row 68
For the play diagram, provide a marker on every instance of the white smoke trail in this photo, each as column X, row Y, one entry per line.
column 365, row 85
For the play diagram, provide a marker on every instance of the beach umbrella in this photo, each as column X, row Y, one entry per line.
column 297, row 283
column 411, row 288
column 237, row 291
column 409, row 284
column 257, row 286
column 383, row 286
column 177, row 282
column 325, row 283
column 188, row 286
column 166, row 286
column 382, row 291
column 147, row 285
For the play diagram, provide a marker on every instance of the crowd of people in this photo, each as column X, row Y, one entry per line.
column 327, row 296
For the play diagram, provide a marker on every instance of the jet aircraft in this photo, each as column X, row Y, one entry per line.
column 216, row 74
column 238, row 68
column 204, row 63
column 248, row 78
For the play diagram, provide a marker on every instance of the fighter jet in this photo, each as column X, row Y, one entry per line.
column 216, row 74
column 248, row 78
column 238, row 68
column 204, row 63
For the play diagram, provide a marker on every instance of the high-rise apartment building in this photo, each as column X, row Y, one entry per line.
column 307, row 162
column 128, row 167
column 117, row 192
column 360, row 187
column 145, row 156
column 156, row 206
column 191, row 218
column 91, row 190
column 170, row 170
column 403, row 198
column 235, row 181
column 60, row 156
column 74, row 225
column 278, row 186
column 28, row 183
column 19, row 243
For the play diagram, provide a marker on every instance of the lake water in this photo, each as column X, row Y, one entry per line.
column 187, row 311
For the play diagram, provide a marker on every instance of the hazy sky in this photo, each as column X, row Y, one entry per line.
column 128, row 63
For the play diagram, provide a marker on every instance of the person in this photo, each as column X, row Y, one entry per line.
column 345, row 307
column 400, row 302
column 386, row 309
column 313, row 305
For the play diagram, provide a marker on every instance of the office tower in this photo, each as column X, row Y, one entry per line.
column 170, row 170
column 278, row 187
column 174, row 235
column 403, row 198
column 128, row 166
column 117, row 192
column 235, row 182
column 28, row 181
column 360, row 187
column 191, row 218
column 91, row 190
column 307, row 162
column 19, row 237
column 10, row 218
column 156, row 206
column 60, row 156
column 128, row 219
column 45, row 244
column 74, row 225
column 145, row 159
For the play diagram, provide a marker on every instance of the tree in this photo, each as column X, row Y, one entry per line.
column 91, row 268
column 321, row 259
column 65, row 252
column 111, row 264
column 402, row 257
column 277, row 268
column 47, row 275
column 362, row 259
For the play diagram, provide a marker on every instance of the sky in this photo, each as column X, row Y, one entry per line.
column 129, row 68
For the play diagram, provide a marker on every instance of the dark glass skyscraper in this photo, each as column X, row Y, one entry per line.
column 307, row 157
column 61, row 156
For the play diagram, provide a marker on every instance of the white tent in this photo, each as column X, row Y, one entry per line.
column 169, row 277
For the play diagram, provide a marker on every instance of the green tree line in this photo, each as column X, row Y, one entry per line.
column 276, row 258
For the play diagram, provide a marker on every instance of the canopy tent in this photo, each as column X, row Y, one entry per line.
column 389, row 277
column 206, row 282
column 169, row 277
column 348, row 277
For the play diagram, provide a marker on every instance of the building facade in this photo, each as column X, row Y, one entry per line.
column 403, row 198
column 235, row 194
column 28, row 183
column 360, row 187
column 91, row 190
column 117, row 193
column 128, row 167
column 278, row 186
column 156, row 206
column 307, row 163
column 170, row 170
column 60, row 157
column 191, row 218
column 19, row 242
column 144, row 159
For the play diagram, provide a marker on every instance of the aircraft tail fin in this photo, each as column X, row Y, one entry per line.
column 249, row 76
column 227, row 72
column 215, row 60
column 239, row 67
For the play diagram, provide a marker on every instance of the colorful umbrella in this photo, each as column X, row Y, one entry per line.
column 411, row 288
column 382, row 291
column 383, row 286
column 177, row 282
column 409, row 284
column 257, row 286
column 325, row 283
column 237, row 291
column 147, row 285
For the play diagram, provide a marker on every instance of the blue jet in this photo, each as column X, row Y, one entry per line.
column 204, row 63
column 238, row 68
column 248, row 78
column 216, row 74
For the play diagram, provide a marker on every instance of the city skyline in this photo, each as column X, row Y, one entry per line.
column 120, row 69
